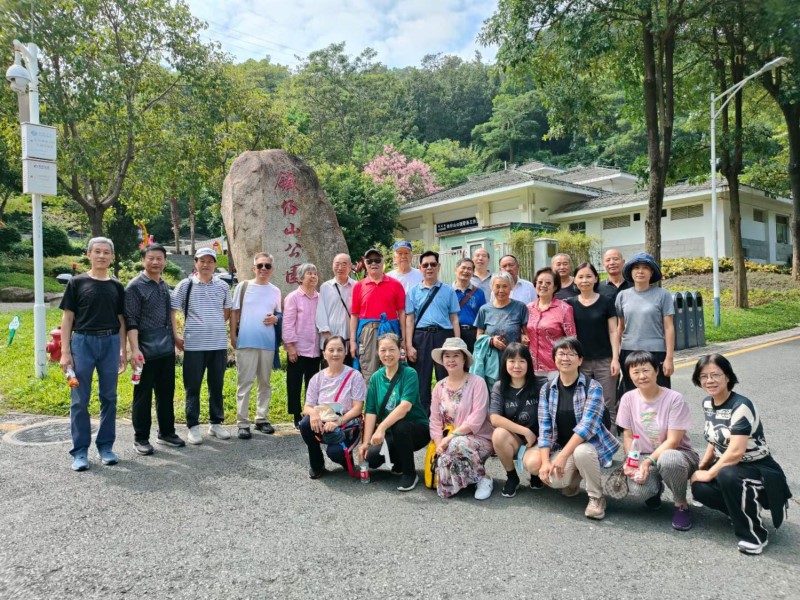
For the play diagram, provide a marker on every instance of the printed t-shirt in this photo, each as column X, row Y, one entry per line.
column 737, row 416
column 651, row 420
column 521, row 406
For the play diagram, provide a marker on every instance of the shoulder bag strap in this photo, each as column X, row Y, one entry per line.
column 425, row 306
column 393, row 383
column 466, row 297
column 344, row 383
column 186, row 298
column 347, row 310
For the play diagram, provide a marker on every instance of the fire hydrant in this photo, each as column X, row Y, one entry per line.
column 53, row 347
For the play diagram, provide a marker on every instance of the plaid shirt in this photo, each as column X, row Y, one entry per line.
column 589, row 407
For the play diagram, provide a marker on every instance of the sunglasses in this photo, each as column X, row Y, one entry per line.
column 373, row 261
column 428, row 265
column 265, row 266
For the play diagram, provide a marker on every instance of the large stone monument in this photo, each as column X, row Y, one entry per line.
column 272, row 202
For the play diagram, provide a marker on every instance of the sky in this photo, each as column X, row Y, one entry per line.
column 401, row 31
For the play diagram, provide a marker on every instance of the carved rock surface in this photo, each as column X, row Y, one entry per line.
column 272, row 202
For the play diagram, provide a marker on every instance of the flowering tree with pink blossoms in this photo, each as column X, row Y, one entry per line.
column 411, row 178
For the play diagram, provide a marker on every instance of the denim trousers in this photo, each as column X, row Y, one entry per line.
column 90, row 353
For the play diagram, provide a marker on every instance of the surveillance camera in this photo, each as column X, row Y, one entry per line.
column 19, row 78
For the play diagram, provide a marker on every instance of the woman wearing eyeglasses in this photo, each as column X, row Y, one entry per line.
column 737, row 474
column 573, row 442
column 300, row 337
column 549, row 320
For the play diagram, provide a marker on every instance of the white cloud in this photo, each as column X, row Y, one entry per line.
column 402, row 32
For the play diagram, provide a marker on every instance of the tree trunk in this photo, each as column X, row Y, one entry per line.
column 176, row 222
column 740, row 299
column 6, row 196
column 95, row 215
column 191, row 221
column 792, row 115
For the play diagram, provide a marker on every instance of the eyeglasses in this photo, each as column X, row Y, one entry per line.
column 373, row 261
column 265, row 266
column 429, row 265
column 544, row 283
column 566, row 355
column 711, row 376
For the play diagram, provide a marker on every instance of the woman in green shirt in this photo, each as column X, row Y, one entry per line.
column 394, row 413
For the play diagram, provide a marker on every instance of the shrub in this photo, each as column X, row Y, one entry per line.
column 173, row 270
column 9, row 235
column 23, row 249
column 54, row 240
column 672, row 267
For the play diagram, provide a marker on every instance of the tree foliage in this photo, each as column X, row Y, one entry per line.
column 410, row 178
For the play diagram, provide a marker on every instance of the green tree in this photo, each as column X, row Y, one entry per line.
column 512, row 126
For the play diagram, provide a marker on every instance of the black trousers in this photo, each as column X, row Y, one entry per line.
column 296, row 373
column 626, row 385
column 158, row 375
column 195, row 365
column 403, row 438
column 315, row 457
column 425, row 341
column 737, row 491
column 468, row 334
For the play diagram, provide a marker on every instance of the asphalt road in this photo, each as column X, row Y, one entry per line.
column 242, row 520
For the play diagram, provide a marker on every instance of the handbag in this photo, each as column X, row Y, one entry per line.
column 156, row 342
column 615, row 484
column 431, row 460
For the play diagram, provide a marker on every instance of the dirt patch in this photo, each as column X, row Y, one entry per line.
column 755, row 281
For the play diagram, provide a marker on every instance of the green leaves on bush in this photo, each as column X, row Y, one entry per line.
column 672, row 267
column 9, row 235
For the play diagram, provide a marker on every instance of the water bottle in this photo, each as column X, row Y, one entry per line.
column 136, row 377
column 363, row 472
column 633, row 454
column 72, row 379
column 402, row 355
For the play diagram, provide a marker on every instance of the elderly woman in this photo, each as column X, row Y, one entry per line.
column 501, row 321
column 660, row 417
column 339, row 387
column 394, row 413
column 596, row 326
column 549, row 320
column 300, row 337
column 646, row 318
column 460, row 401
column 737, row 474
column 513, row 410
column 573, row 442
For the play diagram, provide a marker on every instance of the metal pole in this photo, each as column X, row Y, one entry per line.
column 39, row 309
column 714, row 224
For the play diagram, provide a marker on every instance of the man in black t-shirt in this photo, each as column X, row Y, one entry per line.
column 93, row 338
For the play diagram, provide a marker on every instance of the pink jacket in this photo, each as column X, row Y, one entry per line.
column 473, row 410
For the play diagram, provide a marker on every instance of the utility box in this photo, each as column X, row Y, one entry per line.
column 544, row 249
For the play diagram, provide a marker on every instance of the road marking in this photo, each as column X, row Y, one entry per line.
column 10, row 426
column 743, row 350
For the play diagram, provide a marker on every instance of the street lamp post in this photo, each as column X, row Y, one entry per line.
column 727, row 95
column 26, row 80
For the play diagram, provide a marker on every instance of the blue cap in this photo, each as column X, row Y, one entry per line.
column 643, row 258
column 402, row 244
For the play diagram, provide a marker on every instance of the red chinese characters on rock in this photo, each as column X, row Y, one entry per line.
column 286, row 184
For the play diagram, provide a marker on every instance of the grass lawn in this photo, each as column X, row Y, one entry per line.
column 24, row 280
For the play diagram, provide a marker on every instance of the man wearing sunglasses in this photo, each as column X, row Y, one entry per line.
column 378, row 307
column 431, row 317
column 256, row 306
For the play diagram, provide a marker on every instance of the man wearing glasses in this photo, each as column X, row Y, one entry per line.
column 431, row 317
column 256, row 306
column 378, row 307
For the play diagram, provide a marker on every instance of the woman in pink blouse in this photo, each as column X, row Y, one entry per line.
column 300, row 337
column 461, row 401
column 549, row 320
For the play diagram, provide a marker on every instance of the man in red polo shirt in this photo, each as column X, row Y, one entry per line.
column 378, row 307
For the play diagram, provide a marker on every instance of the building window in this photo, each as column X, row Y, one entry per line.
column 782, row 229
column 637, row 216
column 617, row 222
column 579, row 227
column 686, row 212
column 663, row 213
column 758, row 216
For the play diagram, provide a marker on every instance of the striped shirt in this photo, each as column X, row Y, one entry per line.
column 205, row 322
column 147, row 303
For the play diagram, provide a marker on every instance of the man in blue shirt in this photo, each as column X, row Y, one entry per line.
column 431, row 317
column 470, row 299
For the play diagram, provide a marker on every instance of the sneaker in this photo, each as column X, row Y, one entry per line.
column 510, row 487
column 265, row 427
column 682, row 518
column 312, row 474
column 107, row 457
column 244, row 433
column 142, row 448
column 195, row 437
column 218, row 431
column 484, row 489
column 572, row 489
column 408, row 483
column 80, row 462
column 751, row 548
column 170, row 440
column 536, row 483
column 396, row 470
column 596, row 509
column 654, row 502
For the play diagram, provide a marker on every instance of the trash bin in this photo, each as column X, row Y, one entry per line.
column 679, row 319
column 691, row 320
column 700, row 323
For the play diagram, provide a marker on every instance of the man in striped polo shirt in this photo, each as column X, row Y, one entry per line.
column 206, row 303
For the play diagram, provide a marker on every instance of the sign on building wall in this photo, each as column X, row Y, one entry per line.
column 458, row 224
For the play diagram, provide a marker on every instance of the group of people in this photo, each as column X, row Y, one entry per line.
column 546, row 374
